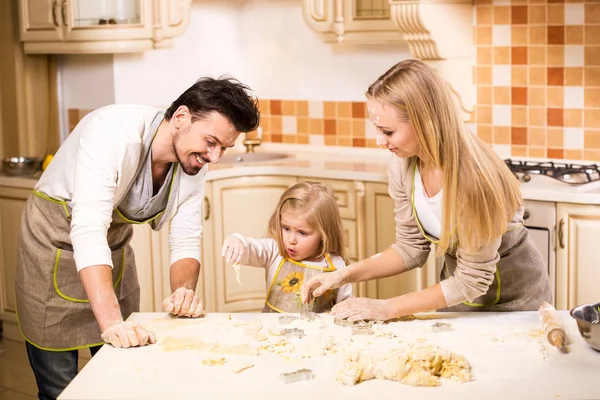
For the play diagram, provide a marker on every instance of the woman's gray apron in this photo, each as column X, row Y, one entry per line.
column 521, row 281
column 53, row 310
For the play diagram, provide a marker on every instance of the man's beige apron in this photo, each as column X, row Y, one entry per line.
column 284, row 294
column 521, row 280
column 53, row 310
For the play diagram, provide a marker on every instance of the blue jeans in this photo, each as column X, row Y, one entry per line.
column 54, row 370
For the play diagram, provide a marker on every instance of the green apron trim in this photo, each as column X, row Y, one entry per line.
column 64, row 296
column 498, row 290
column 130, row 221
column 434, row 241
column 61, row 202
column 87, row 346
column 283, row 260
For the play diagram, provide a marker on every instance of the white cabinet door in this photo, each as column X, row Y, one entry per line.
column 96, row 21
column 577, row 255
column 243, row 205
column 89, row 26
column 40, row 20
column 12, row 201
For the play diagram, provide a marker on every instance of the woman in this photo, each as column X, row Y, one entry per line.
column 451, row 189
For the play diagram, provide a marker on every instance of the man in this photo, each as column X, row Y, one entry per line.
column 76, row 277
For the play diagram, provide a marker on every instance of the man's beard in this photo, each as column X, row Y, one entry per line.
column 189, row 167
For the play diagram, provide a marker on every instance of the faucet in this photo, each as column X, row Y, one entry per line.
column 252, row 143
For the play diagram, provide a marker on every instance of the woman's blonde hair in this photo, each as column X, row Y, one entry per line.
column 481, row 195
column 317, row 201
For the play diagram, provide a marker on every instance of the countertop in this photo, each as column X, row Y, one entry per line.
column 508, row 353
column 368, row 165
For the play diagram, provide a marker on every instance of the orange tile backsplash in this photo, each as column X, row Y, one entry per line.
column 546, row 89
column 537, row 77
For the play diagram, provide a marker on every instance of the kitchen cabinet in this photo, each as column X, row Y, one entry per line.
column 577, row 256
column 243, row 205
column 112, row 26
column 380, row 233
column 348, row 21
column 12, row 202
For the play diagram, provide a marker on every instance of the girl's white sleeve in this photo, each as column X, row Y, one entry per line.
column 258, row 252
column 345, row 291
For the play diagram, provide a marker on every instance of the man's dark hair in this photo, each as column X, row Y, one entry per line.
column 228, row 96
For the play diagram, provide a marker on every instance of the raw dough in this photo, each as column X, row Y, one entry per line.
column 236, row 268
column 416, row 365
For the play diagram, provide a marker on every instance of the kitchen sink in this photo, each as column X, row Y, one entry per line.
column 252, row 158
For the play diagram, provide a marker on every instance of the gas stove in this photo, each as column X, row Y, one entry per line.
column 569, row 173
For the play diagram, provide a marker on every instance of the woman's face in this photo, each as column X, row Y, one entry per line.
column 398, row 136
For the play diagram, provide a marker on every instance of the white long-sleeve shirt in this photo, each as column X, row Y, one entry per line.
column 264, row 253
column 92, row 171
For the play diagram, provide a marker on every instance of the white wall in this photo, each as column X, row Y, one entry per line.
column 264, row 43
column 87, row 81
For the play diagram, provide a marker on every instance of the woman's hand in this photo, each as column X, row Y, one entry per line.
column 321, row 283
column 183, row 303
column 361, row 308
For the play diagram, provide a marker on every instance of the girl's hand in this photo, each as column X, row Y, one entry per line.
column 361, row 308
column 319, row 284
column 233, row 250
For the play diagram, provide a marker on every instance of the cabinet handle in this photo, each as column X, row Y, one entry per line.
column 54, row 4
column 561, row 240
column 64, row 12
column 206, row 208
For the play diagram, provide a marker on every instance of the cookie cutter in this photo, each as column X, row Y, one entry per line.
column 362, row 328
column 287, row 319
column 297, row 376
column 441, row 327
column 292, row 333
column 342, row 322
column 308, row 315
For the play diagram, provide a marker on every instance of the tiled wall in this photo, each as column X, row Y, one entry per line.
column 328, row 123
column 538, row 77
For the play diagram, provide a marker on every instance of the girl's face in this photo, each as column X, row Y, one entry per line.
column 301, row 241
column 398, row 136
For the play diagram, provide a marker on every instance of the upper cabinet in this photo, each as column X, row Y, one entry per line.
column 439, row 32
column 109, row 26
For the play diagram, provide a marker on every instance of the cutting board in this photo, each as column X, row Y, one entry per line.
column 508, row 353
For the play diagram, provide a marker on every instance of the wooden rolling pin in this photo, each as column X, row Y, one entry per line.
column 553, row 328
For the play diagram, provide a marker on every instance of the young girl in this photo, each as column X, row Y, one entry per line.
column 306, row 239
column 451, row 189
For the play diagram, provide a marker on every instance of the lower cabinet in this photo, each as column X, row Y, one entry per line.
column 243, row 205
column 12, row 202
column 380, row 233
column 577, row 256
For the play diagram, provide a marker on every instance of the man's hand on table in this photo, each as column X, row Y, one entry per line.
column 128, row 334
column 183, row 303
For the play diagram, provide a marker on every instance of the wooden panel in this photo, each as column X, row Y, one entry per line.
column 12, row 202
column 345, row 195
column 380, row 234
column 242, row 205
column 577, row 260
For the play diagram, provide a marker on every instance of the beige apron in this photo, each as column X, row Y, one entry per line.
column 284, row 294
column 521, row 281
column 53, row 310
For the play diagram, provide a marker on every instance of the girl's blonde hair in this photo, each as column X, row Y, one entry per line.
column 318, row 203
column 481, row 195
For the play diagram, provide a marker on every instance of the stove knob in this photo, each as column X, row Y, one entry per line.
column 526, row 215
column 526, row 178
